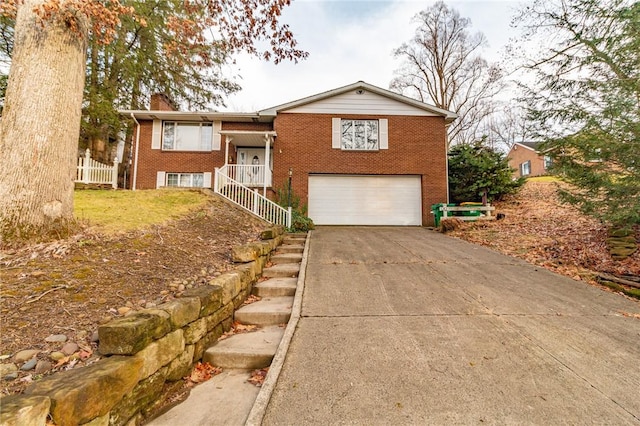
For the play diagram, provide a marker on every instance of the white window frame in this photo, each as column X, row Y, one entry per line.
column 548, row 162
column 352, row 134
column 204, row 144
column 525, row 168
column 190, row 177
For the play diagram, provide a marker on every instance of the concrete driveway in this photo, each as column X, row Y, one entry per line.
column 404, row 326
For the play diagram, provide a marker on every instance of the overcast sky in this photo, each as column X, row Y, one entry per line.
column 352, row 40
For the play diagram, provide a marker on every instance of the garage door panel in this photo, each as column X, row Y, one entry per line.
column 365, row 200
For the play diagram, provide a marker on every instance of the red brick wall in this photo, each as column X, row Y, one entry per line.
column 153, row 160
column 416, row 147
column 161, row 102
column 520, row 154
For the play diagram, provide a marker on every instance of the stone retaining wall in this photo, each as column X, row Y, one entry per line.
column 143, row 352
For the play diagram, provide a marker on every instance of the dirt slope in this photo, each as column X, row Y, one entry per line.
column 541, row 230
column 69, row 287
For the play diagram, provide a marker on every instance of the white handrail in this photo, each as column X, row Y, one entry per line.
column 249, row 199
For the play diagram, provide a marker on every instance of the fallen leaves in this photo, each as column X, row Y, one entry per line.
column 252, row 299
column 238, row 328
column 542, row 231
column 258, row 376
column 202, row 372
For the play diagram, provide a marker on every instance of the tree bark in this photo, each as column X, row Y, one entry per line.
column 40, row 126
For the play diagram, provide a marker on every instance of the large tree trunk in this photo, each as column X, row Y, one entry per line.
column 40, row 126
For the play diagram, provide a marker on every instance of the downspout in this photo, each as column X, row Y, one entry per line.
column 135, row 162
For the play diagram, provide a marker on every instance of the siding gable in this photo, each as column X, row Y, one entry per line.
column 354, row 103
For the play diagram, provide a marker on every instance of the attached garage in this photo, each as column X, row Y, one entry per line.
column 365, row 200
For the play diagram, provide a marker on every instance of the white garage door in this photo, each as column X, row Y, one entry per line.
column 365, row 200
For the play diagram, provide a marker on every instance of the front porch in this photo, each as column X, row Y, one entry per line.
column 242, row 181
column 252, row 151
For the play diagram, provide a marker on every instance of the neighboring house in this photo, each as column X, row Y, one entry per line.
column 526, row 160
column 356, row 155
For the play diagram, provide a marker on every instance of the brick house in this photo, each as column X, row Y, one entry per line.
column 527, row 161
column 356, row 155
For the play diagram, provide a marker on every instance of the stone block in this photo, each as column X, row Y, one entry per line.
column 98, row 421
column 18, row 410
column 210, row 297
column 182, row 311
column 142, row 396
column 83, row 394
column 181, row 366
column 160, row 353
column 265, row 248
column 220, row 315
column 195, row 331
column 241, row 297
column 229, row 282
column 245, row 253
column 272, row 232
column 128, row 335
column 207, row 341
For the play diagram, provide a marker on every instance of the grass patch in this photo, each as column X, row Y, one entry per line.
column 113, row 211
column 546, row 178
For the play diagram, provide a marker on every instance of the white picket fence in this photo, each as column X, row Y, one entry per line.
column 92, row 171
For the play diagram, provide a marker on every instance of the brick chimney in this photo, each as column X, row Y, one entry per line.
column 161, row 102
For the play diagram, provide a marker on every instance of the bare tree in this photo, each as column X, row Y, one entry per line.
column 508, row 126
column 442, row 65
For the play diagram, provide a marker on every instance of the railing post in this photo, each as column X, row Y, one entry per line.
column 215, row 180
column 86, row 167
column 255, row 202
column 289, row 217
column 114, row 174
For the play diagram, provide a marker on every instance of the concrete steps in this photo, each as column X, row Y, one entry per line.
column 276, row 287
column 282, row 258
column 227, row 399
column 268, row 311
column 294, row 239
column 284, row 270
column 290, row 248
column 246, row 351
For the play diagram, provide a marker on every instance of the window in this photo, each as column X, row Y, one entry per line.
column 547, row 162
column 525, row 168
column 187, row 136
column 185, row 180
column 359, row 135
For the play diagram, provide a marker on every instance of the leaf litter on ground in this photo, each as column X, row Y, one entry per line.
column 258, row 376
column 541, row 230
column 238, row 328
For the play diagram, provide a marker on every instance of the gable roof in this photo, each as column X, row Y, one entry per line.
column 530, row 145
column 360, row 85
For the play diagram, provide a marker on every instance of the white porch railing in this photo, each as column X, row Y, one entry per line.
column 249, row 175
column 92, row 171
column 249, row 199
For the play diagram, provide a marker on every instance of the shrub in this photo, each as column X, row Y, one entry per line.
column 475, row 169
column 300, row 222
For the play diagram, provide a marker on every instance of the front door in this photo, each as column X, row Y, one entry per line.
column 252, row 170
